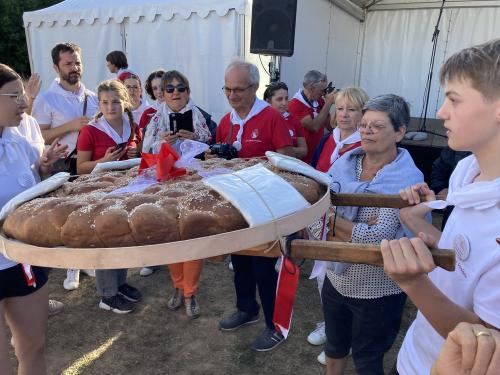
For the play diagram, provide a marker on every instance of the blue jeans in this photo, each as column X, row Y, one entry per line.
column 368, row 326
column 108, row 281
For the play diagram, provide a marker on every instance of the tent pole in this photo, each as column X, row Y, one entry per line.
column 30, row 52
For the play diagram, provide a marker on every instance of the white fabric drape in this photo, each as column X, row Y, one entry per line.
column 397, row 49
column 198, row 47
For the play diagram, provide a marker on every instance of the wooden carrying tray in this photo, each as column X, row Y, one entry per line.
column 173, row 252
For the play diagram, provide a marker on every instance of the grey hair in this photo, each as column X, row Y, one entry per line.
column 396, row 108
column 253, row 71
column 313, row 77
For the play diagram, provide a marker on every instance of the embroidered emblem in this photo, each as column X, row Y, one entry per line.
column 461, row 245
column 255, row 134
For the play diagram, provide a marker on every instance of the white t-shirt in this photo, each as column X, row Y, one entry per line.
column 17, row 160
column 57, row 106
column 471, row 230
column 28, row 128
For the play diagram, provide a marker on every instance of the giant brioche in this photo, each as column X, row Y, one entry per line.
column 83, row 213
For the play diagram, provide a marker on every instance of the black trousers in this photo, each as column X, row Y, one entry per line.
column 251, row 273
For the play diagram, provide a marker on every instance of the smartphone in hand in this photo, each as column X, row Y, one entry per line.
column 121, row 146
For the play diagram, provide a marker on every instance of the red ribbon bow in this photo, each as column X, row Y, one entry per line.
column 164, row 162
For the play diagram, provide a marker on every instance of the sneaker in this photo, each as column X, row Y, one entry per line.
column 72, row 279
column 322, row 358
column 192, row 307
column 90, row 273
column 267, row 340
column 318, row 336
column 176, row 300
column 129, row 293
column 146, row 271
column 237, row 320
column 117, row 304
column 55, row 307
column 230, row 266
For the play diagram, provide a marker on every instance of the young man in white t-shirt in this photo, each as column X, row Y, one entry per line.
column 471, row 114
column 63, row 110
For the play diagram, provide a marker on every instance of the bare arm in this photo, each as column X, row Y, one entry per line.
column 407, row 262
column 49, row 134
column 315, row 124
column 288, row 150
column 301, row 150
column 32, row 89
column 50, row 156
column 414, row 216
column 343, row 229
column 85, row 165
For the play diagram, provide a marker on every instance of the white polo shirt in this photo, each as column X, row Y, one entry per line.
column 17, row 160
column 56, row 106
column 472, row 231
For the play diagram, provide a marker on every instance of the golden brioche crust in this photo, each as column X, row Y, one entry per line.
column 83, row 213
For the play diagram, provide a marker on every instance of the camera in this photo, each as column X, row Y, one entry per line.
column 329, row 88
column 224, row 150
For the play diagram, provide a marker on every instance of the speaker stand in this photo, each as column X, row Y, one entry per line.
column 274, row 68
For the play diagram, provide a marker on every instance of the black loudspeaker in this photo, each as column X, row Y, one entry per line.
column 273, row 27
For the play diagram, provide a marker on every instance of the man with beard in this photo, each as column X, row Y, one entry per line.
column 67, row 105
column 61, row 112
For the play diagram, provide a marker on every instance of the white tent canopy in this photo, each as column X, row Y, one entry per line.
column 385, row 46
column 382, row 45
column 198, row 38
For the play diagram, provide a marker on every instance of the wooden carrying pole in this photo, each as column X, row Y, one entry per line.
column 344, row 252
column 369, row 200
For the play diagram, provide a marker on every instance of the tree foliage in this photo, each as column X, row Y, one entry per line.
column 13, row 48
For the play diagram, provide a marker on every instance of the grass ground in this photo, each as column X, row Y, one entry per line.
column 84, row 339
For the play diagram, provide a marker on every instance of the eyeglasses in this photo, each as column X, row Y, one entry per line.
column 133, row 87
column 18, row 98
column 236, row 91
column 171, row 88
column 374, row 128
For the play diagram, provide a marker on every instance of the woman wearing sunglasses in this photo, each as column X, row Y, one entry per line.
column 23, row 288
column 176, row 100
column 276, row 94
column 185, row 276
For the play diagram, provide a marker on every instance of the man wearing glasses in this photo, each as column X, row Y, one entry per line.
column 62, row 111
column 252, row 128
column 311, row 105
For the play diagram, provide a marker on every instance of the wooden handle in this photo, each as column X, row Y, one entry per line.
column 372, row 200
column 346, row 252
column 368, row 200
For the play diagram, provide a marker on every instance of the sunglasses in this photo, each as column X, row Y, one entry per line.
column 171, row 88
